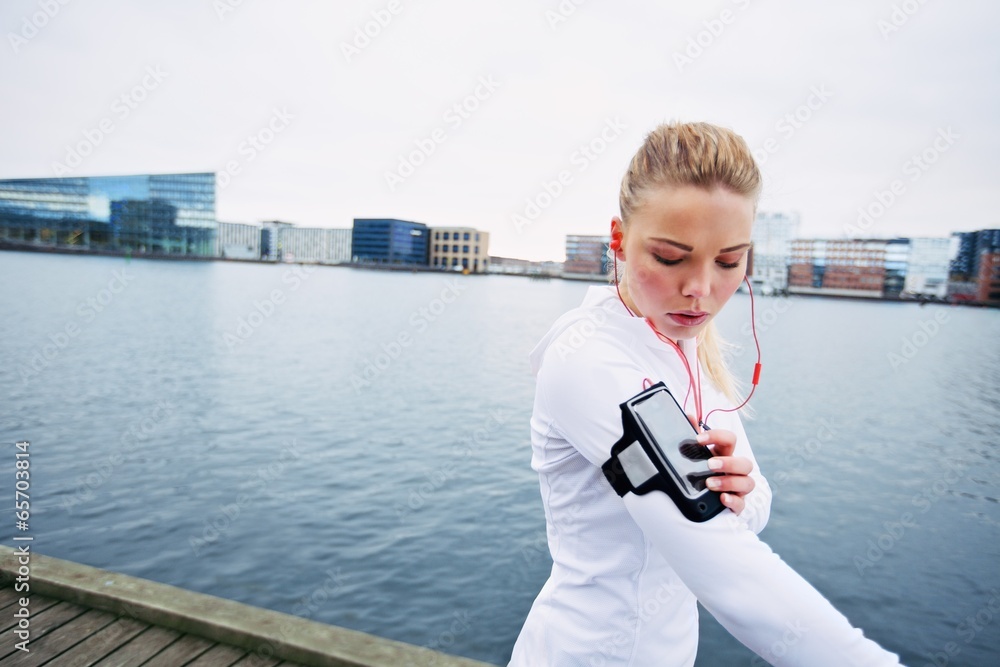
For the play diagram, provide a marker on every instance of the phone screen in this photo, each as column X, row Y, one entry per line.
column 674, row 438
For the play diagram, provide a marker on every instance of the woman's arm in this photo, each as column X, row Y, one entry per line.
column 755, row 595
column 749, row 589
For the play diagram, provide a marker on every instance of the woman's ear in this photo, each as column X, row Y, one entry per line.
column 617, row 238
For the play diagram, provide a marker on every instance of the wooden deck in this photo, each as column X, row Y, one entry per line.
column 63, row 633
column 85, row 617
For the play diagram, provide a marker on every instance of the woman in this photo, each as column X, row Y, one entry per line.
column 627, row 571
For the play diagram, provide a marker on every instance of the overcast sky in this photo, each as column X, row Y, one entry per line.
column 319, row 123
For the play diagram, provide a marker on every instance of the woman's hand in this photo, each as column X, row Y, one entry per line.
column 735, row 483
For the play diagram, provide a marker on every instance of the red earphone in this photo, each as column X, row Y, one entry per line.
column 616, row 244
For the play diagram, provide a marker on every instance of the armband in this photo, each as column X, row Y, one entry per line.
column 658, row 452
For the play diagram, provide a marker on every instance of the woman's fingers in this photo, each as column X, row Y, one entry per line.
column 734, row 482
column 733, row 502
column 730, row 465
column 723, row 441
column 739, row 484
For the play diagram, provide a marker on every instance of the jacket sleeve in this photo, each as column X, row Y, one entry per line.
column 757, row 507
column 755, row 595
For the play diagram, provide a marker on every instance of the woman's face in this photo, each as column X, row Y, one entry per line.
column 685, row 254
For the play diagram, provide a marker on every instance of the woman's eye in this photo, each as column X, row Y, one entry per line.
column 729, row 265
column 668, row 262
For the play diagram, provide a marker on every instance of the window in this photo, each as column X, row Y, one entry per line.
column 446, row 236
column 437, row 235
column 454, row 261
column 465, row 249
column 465, row 262
column 435, row 247
column 477, row 238
column 477, row 247
column 465, row 237
column 454, row 248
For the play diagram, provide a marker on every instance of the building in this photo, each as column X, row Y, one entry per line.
column 460, row 248
column 927, row 271
column 855, row 267
column 315, row 245
column 772, row 251
column 524, row 267
column 965, row 270
column 989, row 278
column 587, row 255
column 155, row 214
column 284, row 242
column 897, row 264
column 271, row 240
column 969, row 246
column 389, row 241
column 238, row 241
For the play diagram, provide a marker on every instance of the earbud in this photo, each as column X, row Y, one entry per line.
column 616, row 242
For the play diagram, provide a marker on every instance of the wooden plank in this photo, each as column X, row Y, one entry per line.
column 59, row 640
column 251, row 660
column 258, row 631
column 219, row 655
column 185, row 648
column 99, row 644
column 53, row 617
column 36, row 605
column 140, row 648
column 8, row 596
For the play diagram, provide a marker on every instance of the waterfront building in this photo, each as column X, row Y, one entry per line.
column 587, row 255
column 155, row 214
column 771, row 254
column 238, row 240
column 271, row 236
column 969, row 247
column 854, row 267
column 963, row 257
column 389, row 241
column 315, row 245
column 462, row 248
column 989, row 278
column 968, row 280
column 927, row 270
column 897, row 261
column 524, row 267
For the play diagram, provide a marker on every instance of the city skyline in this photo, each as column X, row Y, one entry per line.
column 123, row 211
column 517, row 120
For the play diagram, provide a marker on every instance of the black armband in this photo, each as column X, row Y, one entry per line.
column 658, row 452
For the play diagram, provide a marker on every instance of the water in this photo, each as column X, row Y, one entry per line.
column 357, row 451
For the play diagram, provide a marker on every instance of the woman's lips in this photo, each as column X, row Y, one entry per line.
column 688, row 318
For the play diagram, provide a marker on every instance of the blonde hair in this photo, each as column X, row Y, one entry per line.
column 706, row 156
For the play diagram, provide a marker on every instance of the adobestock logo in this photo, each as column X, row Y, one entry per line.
column 699, row 43
column 31, row 26
column 915, row 167
column 255, row 144
column 122, row 107
column 454, row 117
column 365, row 34
column 585, row 154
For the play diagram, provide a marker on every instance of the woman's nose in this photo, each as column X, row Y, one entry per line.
column 696, row 283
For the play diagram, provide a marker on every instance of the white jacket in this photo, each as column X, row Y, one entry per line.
column 627, row 571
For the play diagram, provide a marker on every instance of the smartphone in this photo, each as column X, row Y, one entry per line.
column 670, row 460
column 669, row 428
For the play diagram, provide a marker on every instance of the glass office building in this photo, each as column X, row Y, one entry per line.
column 159, row 214
column 389, row 241
column 587, row 255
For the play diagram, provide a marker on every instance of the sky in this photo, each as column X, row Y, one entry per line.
column 873, row 118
